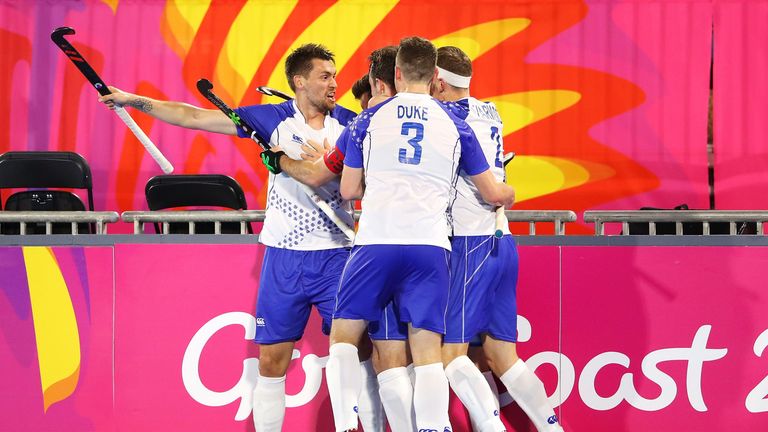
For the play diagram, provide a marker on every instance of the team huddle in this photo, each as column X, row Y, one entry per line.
column 425, row 275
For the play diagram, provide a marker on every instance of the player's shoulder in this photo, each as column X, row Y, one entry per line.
column 278, row 112
column 364, row 118
column 342, row 115
column 455, row 109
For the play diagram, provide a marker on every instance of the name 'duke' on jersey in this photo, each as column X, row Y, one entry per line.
column 412, row 112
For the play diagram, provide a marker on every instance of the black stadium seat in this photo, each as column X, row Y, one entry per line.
column 38, row 171
column 197, row 191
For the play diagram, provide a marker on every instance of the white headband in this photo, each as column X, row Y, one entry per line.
column 453, row 79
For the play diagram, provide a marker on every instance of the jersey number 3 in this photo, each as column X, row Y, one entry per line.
column 414, row 142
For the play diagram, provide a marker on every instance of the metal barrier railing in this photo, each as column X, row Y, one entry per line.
column 678, row 217
column 100, row 219
column 192, row 217
column 139, row 218
column 558, row 217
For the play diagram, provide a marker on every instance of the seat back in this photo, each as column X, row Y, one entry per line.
column 45, row 169
column 196, row 190
column 42, row 170
column 44, row 200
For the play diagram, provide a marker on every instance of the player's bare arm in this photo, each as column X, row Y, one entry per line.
column 175, row 113
column 311, row 170
column 352, row 186
column 493, row 191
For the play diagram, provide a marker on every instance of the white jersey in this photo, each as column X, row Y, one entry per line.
column 410, row 148
column 470, row 214
column 293, row 221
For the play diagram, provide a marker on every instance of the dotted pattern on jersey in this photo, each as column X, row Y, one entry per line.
column 460, row 109
column 359, row 124
column 305, row 221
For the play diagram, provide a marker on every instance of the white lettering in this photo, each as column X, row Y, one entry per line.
column 587, row 381
column 756, row 401
column 695, row 356
column 190, row 373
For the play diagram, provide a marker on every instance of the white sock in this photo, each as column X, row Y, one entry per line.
column 397, row 397
column 269, row 404
column 528, row 391
column 343, row 375
column 494, row 388
column 488, row 375
column 470, row 386
column 411, row 374
column 370, row 411
column 430, row 398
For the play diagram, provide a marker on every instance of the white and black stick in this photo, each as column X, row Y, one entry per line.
column 58, row 38
column 501, row 218
column 272, row 92
column 206, row 89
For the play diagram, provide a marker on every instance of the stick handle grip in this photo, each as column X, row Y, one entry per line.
column 501, row 220
column 151, row 148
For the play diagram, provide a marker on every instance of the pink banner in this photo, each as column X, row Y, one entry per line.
column 665, row 338
column 624, row 338
column 187, row 327
column 56, row 346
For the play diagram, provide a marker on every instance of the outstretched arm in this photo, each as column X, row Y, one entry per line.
column 175, row 113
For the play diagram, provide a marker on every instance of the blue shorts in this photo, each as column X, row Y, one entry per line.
column 483, row 289
column 389, row 327
column 291, row 282
column 414, row 276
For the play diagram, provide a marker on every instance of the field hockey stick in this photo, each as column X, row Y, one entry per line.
column 272, row 92
column 58, row 38
column 501, row 218
column 205, row 88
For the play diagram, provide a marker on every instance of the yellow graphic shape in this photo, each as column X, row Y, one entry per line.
column 518, row 110
column 56, row 334
column 250, row 37
column 535, row 176
column 474, row 40
column 360, row 17
column 478, row 39
column 181, row 20
column 112, row 4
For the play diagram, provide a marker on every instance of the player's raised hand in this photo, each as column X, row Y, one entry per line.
column 313, row 150
column 116, row 98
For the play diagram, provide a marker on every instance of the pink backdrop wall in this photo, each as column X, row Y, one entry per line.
column 624, row 338
column 604, row 102
column 741, row 104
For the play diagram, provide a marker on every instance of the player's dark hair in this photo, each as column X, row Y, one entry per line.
column 454, row 60
column 382, row 63
column 361, row 87
column 416, row 58
column 299, row 62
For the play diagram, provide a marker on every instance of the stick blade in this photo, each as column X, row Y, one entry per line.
column 204, row 86
column 60, row 32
